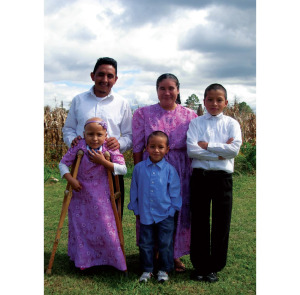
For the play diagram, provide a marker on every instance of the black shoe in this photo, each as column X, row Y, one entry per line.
column 195, row 276
column 211, row 278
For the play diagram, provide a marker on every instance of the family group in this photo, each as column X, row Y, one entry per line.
column 183, row 165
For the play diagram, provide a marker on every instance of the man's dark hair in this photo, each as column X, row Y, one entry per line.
column 215, row 86
column 105, row 61
column 158, row 133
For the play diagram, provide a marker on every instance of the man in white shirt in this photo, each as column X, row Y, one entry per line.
column 213, row 140
column 100, row 101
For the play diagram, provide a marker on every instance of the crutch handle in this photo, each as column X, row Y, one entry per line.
column 107, row 155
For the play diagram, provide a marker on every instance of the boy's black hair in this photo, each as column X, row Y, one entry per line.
column 169, row 76
column 105, row 61
column 215, row 86
column 158, row 133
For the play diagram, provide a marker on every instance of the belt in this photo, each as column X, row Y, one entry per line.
column 205, row 172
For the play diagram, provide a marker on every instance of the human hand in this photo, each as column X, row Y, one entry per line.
column 96, row 157
column 75, row 184
column 75, row 141
column 203, row 144
column 230, row 140
column 112, row 143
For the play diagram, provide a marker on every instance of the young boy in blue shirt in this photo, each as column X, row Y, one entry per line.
column 213, row 140
column 154, row 199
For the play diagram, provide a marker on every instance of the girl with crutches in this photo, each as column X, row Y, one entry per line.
column 93, row 234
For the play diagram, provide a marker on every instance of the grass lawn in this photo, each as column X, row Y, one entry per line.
column 238, row 277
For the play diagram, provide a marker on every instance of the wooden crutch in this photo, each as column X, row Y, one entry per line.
column 64, row 210
column 113, row 197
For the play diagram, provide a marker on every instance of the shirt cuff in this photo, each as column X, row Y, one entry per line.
column 119, row 169
column 63, row 168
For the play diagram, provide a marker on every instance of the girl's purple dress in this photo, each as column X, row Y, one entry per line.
column 93, row 236
column 175, row 124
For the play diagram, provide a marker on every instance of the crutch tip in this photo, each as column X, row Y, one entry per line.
column 49, row 271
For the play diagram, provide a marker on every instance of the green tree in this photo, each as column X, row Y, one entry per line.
column 244, row 108
column 192, row 102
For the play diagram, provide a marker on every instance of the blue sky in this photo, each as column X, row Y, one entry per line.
column 201, row 42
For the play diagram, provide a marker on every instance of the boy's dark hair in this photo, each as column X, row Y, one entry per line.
column 169, row 76
column 215, row 86
column 158, row 133
column 105, row 61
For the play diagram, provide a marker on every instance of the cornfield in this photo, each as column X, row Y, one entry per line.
column 246, row 120
column 55, row 148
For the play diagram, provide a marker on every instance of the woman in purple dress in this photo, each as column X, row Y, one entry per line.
column 173, row 119
column 93, row 236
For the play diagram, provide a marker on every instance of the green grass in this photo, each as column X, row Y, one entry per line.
column 238, row 277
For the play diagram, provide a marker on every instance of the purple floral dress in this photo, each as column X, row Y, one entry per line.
column 93, row 237
column 175, row 124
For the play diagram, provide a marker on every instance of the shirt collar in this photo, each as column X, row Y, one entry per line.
column 98, row 149
column 208, row 116
column 160, row 164
column 111, row 94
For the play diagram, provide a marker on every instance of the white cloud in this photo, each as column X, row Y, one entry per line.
column 57, row 93
column 77, row 34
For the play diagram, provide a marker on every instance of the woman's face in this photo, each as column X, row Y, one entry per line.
column 167, row 94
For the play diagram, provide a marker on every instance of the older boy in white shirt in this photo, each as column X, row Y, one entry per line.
column 213, row 140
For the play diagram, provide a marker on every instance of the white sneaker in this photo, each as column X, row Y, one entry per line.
column 162, row 276
column 145, row 276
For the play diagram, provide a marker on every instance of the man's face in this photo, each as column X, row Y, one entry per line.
column 104, row 78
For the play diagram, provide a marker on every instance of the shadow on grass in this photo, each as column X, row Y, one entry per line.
column 63, row 266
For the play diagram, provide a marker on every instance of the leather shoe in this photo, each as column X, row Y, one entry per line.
column 195, row 276
column 211, row 278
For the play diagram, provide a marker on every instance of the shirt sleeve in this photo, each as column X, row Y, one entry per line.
column 68, row 159
column 126, row 130
column 119, row 169
column 138, row 131
column 63, row 168
column 193, row 149
column 69, row 129
column 174, row 190
column 228, row 151
column 133, row 204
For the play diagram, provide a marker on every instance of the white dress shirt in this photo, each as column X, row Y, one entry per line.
column 216, row 130
column 113, row 109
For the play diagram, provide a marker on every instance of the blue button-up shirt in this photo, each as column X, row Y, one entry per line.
column 154, row 191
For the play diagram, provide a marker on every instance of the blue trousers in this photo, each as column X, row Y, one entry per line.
column 161, row 235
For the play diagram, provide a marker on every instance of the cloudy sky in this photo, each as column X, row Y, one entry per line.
column 201, row 42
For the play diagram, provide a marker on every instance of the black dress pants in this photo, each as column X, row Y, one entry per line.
column 211, row 192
